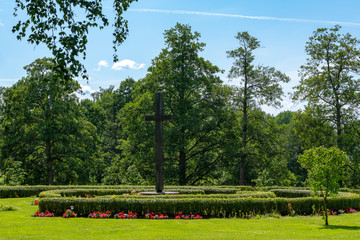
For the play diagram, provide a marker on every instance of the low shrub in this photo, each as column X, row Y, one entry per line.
column 28, row 191
column 216, row 190
column 210, row 207
column 8, row 208
column 291, row 193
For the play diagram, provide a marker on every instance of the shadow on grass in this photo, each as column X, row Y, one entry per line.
column 335, row 227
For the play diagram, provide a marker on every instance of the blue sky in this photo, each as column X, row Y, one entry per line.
column 282, row 26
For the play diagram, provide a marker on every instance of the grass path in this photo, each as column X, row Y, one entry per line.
column 20, row 225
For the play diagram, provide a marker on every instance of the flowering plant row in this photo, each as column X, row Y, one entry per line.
column 156, row 216
column 100, row 215
column 42, row 214
column 351, row 210
column 181, row 215
column 122, row 215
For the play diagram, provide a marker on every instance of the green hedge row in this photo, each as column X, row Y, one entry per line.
column 291, row 193
column 209, row 207
column 27, row 191
column 102, row 192
column 186, row 193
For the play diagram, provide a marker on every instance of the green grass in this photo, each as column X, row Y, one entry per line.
column 20, row 225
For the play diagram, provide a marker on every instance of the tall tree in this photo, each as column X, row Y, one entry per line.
column 63, row 27
column 258, row 85
column 102, row 111
column 197, row 99
column 329, row 78
column 44, row 130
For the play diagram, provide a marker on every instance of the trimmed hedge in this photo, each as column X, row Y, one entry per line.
column 209, row 207
column 28, row 191
column 189, row 193
column 103, row 192
column 291, row 193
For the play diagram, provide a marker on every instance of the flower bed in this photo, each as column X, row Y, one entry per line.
column 106, row 214
column 43, row 214
column 122, row 215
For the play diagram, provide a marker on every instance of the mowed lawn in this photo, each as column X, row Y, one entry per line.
column 20, row 225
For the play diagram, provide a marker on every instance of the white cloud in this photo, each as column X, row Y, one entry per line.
column 102, row 64
column 244, row 16
column 87, row 89
column 1, row 24
column 127, row 64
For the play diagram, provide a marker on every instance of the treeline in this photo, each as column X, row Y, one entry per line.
column 219, row 134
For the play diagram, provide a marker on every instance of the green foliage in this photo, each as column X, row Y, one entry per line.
column 14, row 174
column 80, row 190
column 291, row 193
column 8, row 208
column 258, row 85
column 210, row 207
column 326, row 168
column 63, row 27
column 46, row 140
column 193, row 93
column 330, row 84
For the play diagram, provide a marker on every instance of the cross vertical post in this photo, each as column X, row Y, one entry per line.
column 159, row 117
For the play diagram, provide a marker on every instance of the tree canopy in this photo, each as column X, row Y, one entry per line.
column 63, row 27
column 220, row 133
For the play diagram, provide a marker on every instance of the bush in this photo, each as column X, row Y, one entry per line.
column 210, row 207
column 291, row 193
column 119, row 193
column 28, row 191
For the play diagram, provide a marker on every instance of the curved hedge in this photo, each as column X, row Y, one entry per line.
column 210, row 207
column 28, row 191
column 185, row 193
column 292, row 193
column 102, row 192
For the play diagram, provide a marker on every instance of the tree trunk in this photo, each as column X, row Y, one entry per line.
column 326, row 215
column 182, row 168
column 338, row 126
column 49, row 162
column 244, row 132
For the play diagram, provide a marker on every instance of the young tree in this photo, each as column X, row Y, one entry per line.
column 326, row 168
column 329, row 78
column 63, row 27
column 43, row 128
column 258, row 85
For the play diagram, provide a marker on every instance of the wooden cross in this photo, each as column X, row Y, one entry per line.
column 159, row 117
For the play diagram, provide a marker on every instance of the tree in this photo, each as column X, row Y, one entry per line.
column 63, row 28
column 103, row 112
column 43, row 128
column 312, row 131
column 193, row 93
column 291, row 144
column 259, row 85
column 329, row 78
column 266, row 156
column 326, row 168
